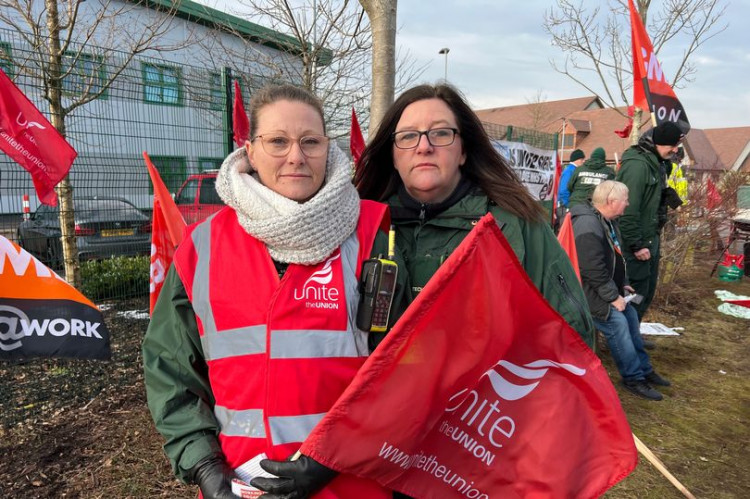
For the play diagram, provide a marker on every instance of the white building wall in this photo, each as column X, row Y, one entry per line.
column 111, row 133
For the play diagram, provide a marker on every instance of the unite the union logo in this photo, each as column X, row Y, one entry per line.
column 315, row 292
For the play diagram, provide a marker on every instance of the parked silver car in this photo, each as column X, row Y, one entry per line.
column 104, row 227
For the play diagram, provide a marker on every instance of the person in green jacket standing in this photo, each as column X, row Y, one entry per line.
column 644, row 170
column 585, row 179
column 432, row 162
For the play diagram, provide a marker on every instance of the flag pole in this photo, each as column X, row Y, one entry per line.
column 646, row 452
column 647, row 92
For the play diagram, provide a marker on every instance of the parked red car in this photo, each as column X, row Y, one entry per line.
column 197, row 198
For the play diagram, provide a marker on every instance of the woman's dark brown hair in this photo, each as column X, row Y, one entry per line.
column 376, row 177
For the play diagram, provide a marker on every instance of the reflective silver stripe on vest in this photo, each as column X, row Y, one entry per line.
column 231, row 342
column 307, row 343
column 349, row 263
column 289, row 429
column 245, row 423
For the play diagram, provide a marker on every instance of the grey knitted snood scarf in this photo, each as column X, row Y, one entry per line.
column 303, row 233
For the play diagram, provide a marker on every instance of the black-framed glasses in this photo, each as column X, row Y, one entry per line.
column 437, row 137
column 278, row 145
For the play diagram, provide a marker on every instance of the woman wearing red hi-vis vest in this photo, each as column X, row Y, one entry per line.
column 253, row 337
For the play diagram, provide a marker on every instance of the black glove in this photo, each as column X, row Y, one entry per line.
column 671, row 198
column 297, row 479
column 214, row 477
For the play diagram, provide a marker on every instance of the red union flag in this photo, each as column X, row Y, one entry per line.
column 167, row 230
column 567, row 239
column 32, row 142
column 239, row 117
column 356, row 140
column 480, row 390
column 651, row 91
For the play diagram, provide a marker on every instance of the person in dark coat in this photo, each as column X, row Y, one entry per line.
column 605, row 285
column 644, row 170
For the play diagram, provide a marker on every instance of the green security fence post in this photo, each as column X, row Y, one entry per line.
column 226, row 77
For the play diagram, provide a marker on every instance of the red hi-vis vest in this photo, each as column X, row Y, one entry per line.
column 279, row 351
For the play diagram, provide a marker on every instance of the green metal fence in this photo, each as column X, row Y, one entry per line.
column 511, row 133
column 534, row 138
column 179, row 113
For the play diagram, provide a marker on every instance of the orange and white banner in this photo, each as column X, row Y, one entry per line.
column 41, row 315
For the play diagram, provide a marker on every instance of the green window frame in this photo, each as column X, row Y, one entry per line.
column 216, row 91
column 209, row 164
column 85, row 74
column 172, row 170
column 162, row 84
column 6, row 58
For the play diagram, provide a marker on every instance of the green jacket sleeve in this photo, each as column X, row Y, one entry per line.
column 550, row 270
column 634, row 175
column 176, row 377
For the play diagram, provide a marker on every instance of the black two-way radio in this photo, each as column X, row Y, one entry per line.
column 377, row 286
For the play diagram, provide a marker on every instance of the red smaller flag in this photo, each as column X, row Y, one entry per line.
column 167, row 230
column 567, row 240
column 239, row 117
column 625, row 132
column 32, row 142
column 356, row 140
column 714, row 198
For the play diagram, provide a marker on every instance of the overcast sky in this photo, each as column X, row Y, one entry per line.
column 499, row 55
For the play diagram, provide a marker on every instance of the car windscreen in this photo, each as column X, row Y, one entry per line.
column 106, row 209
column 208, row 192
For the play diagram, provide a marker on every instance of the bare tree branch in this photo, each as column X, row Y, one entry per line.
column 598, row 48
column 59, row 41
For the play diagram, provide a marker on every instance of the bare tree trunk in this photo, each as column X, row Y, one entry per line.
column 382, row 14
column 635, row 131
column 64, row 189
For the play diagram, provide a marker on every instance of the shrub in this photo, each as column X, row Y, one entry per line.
column 118, row 277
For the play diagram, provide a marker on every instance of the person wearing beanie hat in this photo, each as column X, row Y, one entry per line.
column 644, row 168
column 563, row 194
column 585, row 179
column 667, row 134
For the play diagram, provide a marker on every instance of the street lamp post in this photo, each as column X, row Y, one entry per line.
column 444, row 51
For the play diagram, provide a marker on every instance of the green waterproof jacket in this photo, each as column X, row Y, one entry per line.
column 425, row 244
column 176, row 376
column 585, row 179
column 642, row 172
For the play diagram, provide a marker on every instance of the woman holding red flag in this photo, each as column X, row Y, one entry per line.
column 253, row 337
column 433, row 163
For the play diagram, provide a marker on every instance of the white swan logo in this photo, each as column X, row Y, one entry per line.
column 315, row 290
column 28, row 124
column 532, row 371
column 324, row 275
